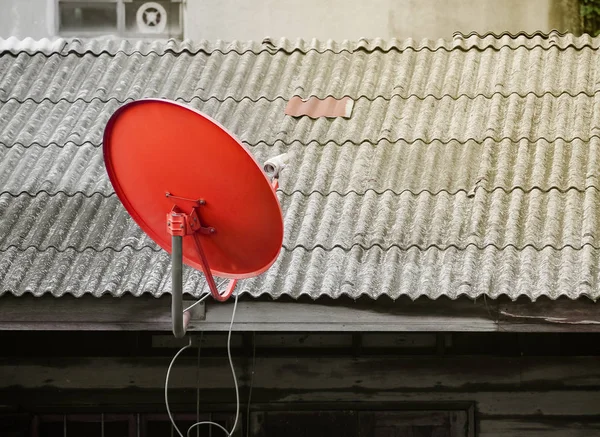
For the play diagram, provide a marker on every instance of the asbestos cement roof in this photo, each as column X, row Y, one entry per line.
column 467, row 167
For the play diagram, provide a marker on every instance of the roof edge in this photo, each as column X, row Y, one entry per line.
column 462, row 42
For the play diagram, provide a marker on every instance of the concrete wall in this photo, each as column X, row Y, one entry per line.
column 352, row 19
column 335, row 19
column 23, row 18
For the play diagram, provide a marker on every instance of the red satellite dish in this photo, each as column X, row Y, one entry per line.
column 195, row 190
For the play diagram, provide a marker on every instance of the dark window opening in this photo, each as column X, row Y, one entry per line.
column 110, row 425
column 89, row 16
column 438, row 423
column 427, row 421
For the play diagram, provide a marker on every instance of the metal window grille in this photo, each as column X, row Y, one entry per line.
column 121, row 425
column 125, row 18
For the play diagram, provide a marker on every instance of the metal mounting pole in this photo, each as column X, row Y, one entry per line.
column 179, row 319
column 180, row 224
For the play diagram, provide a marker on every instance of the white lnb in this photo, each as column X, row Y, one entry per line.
column 275, row 165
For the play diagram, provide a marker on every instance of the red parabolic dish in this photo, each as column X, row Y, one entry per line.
column 155, row 146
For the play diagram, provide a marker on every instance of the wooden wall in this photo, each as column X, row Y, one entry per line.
column 513, row 394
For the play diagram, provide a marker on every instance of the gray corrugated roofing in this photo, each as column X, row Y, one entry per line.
column 280, row 75
column 410, row 119
column 516, row 219
column 395, row 272
column 468, row 166
column 464, row 42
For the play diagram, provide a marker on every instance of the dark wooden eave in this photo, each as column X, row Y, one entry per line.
column 146, row 313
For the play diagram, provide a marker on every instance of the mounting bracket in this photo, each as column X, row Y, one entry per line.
column 198, row 312
column 180, row 224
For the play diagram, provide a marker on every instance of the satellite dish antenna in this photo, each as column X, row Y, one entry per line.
column 196, row 191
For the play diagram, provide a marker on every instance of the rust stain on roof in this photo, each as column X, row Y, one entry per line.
column 314, row 107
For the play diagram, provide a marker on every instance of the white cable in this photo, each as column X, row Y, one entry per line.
column 167, row 386
column 197, row 302
column 251, row 384
column 237, row 393
column 198, row 375
column 201, row 299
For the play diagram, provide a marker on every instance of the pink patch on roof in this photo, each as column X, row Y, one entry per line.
column 314, row 107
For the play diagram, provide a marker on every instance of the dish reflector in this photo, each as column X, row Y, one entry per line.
column 165, row 158
column 154, row 147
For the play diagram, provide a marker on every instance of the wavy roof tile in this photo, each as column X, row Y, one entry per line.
column 468, row 167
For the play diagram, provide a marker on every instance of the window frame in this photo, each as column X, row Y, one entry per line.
column 137, row 423
column 121, row 30
column 467, row 407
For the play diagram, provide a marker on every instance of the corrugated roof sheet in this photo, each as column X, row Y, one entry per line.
column 395, row 272
column 498, row 118
column 515, row 219
column 467, row 167
column 517, row 70
column 464, row 42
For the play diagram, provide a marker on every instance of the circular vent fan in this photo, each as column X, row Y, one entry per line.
column 151, row 17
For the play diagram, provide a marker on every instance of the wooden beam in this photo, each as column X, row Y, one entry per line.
column 152, row 314
column 343, row 315
column 87, row 313
column 561, row 315
column 539, row 426
column 146, row 313
column 321, row 373
column 517, row 386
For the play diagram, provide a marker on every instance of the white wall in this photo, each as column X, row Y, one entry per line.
column 23, row 18
column 324, row 19
column 352, row 19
